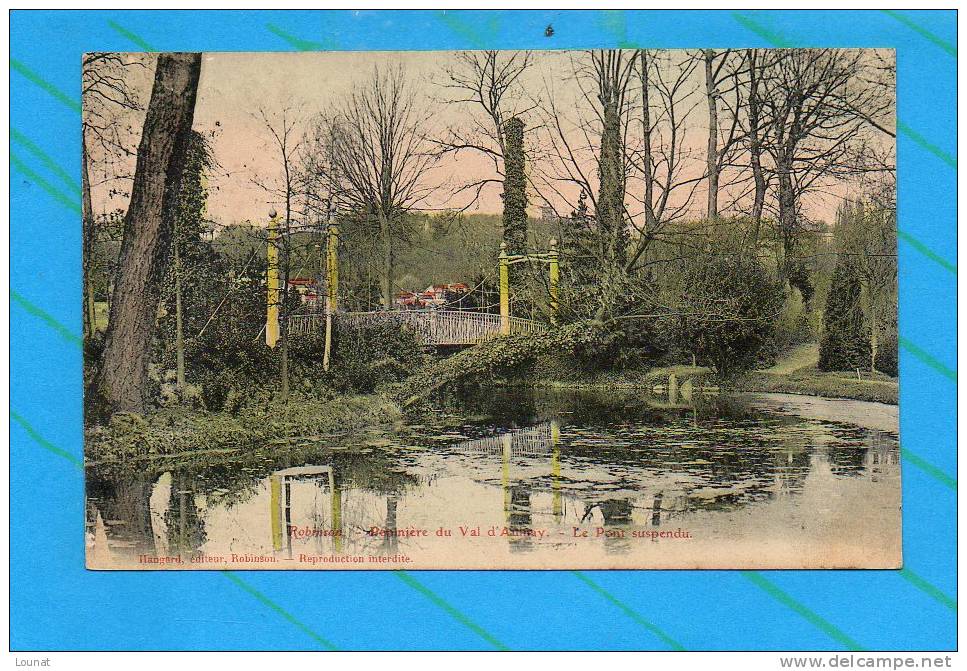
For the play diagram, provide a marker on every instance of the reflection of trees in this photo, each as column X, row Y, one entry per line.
column 863, row 449
column 123, row 494
column 616, row 515
column 125, row 507
column 846, row 460
column 186, row 529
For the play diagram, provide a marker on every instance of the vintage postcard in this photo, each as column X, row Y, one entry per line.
column 491, row 310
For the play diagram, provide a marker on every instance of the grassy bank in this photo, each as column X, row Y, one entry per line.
column 180, row 431
column 813, row 382
column 796, row 373
column 633, row 379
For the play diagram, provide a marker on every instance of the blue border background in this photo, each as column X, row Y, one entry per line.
column 56, row 604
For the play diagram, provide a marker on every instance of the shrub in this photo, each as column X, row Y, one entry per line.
column 887, row 356
column 727, row 312
column 363, row 358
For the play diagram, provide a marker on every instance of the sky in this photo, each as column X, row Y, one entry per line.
column 235, row 87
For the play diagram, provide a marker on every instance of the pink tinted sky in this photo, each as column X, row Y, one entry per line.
column 234, row 86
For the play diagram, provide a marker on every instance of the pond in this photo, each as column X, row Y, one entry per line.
column 531, row 479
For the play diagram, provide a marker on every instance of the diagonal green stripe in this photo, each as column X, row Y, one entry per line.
column 926, row 251
column 62, row 198
column 630, row 612
column 474, row 36
column 43, row 442
column 137, row 39
column 801, row 609
column 928, row 359
column 299, row 43
column 438, row 601
column 926, row 144
column 929, row 589
column 44, row 84
column 778, row 40
column 65, row 332
column 52, row 165
column 616, row 23
column 923, row 32
column 769, row 35
column 286, row 615
column 929, row 468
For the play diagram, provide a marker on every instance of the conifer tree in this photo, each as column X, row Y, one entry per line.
column 846, row 342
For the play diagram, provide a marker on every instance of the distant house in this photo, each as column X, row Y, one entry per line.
column 434, row 296
column 306, row 288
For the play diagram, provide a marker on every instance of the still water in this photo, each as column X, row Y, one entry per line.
column 530, row 479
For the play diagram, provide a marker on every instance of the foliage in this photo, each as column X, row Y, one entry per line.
column 792, row 327
column 845, row 344
column 727, row 310
column 364, row 358
column 866, row 230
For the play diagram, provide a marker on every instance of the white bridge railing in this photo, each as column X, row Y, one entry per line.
column 432, row 327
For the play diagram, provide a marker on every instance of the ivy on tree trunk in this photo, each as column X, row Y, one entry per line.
column 515, row 187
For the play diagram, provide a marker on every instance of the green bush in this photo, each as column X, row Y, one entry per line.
column 364, row 357
column 887, row 359
column 728, row 311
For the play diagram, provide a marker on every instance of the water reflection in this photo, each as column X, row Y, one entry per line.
column 543, row 476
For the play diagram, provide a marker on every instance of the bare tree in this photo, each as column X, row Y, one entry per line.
column 810, row 100
column 722, row 139
column 664, row 159
column 489, row 82
column 148, row 226
column 754, row 66
column 380, row 157
column 588, row 154
column 108, row 96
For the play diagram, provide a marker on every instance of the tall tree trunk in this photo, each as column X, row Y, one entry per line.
column 787, row 214
column 755, row 144
column 874, row 335
column 284, row 311
column 793, row 268
column 89, row 244
column 386, row 236
column 649, row 175
column 179, row 324
column 759, row 199
column 712, row 154
column 148, row 226
column 610, row 205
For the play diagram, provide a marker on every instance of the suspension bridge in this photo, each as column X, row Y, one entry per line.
column 433, row 327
